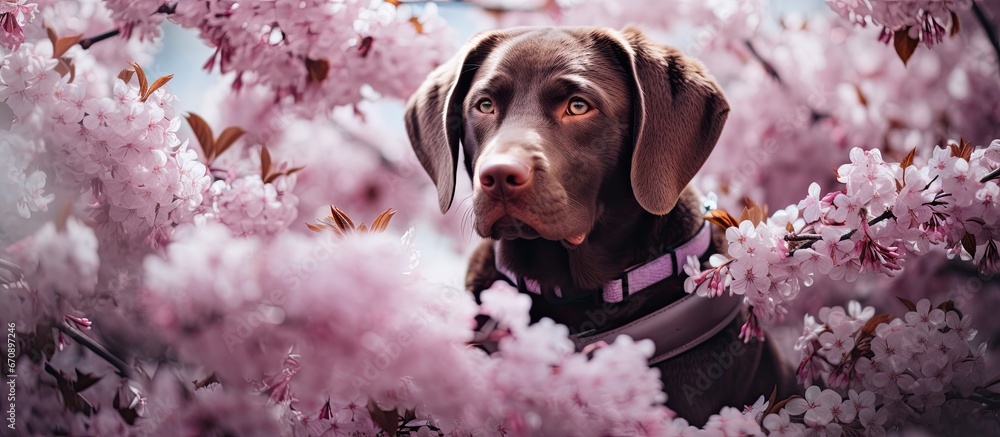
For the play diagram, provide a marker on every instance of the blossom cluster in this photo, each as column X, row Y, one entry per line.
column 14, row 15
column 288, row 332
column 926, row 20
column 886, row 211
column 857, row 92
column 885, row 371
column 144, row 179
column 248, row 205
column 383, row 336
column 22, row 76
column 315, row 55
column 59, row 264
column 23, row 186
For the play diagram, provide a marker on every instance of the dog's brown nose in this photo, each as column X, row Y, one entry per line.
column 504, row 176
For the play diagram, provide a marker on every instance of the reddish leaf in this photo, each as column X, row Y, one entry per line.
column 155, row 86
column 341, row 219
column 861, row 96
column 365, row 46
column 126, row 75
column 203, row 132
column 969, row 243
column 905, row 44
column 948, row 306
column 318, row 69
column 962, row 150
column 61, row 45
column 388, row 421
column 910, row 306
column 955, row 25
column 141, row 75
column 315, row 228
column 770, row 402
column 265, row 163
column 417, row 24
column 382, row 221
column 753, row 212
column 294, row 170
column 907, row 161
column 722, row 219
column 781, row 404
column 869, row 328
column 63, row 68
column 226, row 139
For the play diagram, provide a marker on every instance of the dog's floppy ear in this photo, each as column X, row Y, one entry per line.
column 434, row 113
column 678, row 114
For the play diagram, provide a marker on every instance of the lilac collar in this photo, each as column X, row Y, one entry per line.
column 675, row 328
column 636, row 278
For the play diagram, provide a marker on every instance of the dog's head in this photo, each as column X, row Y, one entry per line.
column 546, row 116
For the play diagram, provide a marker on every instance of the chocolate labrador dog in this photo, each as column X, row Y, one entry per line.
column 580, row 143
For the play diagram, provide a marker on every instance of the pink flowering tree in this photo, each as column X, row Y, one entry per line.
column 270, row 260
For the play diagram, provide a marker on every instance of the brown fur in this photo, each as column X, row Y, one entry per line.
column 616, row 174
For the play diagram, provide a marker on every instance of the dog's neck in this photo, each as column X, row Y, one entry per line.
column 623, row 236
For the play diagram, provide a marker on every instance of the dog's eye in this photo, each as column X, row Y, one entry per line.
column 485, row 106
column 577, row 107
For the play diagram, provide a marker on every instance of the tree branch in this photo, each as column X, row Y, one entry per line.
column 993, row 175
column 123, row 369
column 812, row 238
column 767, row 65
column 989, row 28
column 87, row 42
column 803, row 237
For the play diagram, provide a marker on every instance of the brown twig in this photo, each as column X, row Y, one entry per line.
column 87, row 42
column 812, row 238
column 803, row 237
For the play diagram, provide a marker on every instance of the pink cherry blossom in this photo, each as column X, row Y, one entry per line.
column 924, row 317
column 810, row 206
column 817, row 405
column 838, row 342
column 780, row 425
column 750, row 276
